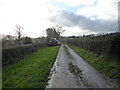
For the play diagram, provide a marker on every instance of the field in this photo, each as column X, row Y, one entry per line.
column 32, row 71
column 101, row 63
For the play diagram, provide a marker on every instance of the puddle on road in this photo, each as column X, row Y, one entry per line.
column 53, row 68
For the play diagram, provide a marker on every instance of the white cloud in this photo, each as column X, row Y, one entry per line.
column 31, row 14
column 34, row 15
column 67, row 19
column 76, row 31
column 104, row 9
column 77, row 2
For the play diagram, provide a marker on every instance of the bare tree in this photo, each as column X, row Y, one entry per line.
column 18, row 30
column 59, row 30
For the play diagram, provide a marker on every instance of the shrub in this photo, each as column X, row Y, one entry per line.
column 12, row 55
column 27, row 40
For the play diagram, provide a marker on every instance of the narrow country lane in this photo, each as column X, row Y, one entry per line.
column 62, row 77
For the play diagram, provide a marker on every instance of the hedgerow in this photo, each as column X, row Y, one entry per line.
column 107, row 45
column 12, row 55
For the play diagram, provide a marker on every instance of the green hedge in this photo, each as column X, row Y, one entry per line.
column 12, row 55
column 107, row 45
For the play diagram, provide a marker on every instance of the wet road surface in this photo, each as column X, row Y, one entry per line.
column 62, row 77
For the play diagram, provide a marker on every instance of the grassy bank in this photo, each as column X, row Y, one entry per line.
column 0, row 79
column 32, row 71
column 108, row 67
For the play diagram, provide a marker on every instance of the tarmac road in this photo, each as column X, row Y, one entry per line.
column 62, row 77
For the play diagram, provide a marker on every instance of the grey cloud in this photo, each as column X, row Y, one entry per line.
column 65, row 18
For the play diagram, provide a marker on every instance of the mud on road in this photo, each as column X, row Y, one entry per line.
column 71, row 71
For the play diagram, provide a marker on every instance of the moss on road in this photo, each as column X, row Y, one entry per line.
column 32, row 71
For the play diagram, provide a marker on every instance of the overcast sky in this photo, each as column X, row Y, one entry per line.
column 77, row 17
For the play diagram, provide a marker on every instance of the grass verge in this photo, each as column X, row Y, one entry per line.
column 32, row 71
column 101, row 63
column 0, row 79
